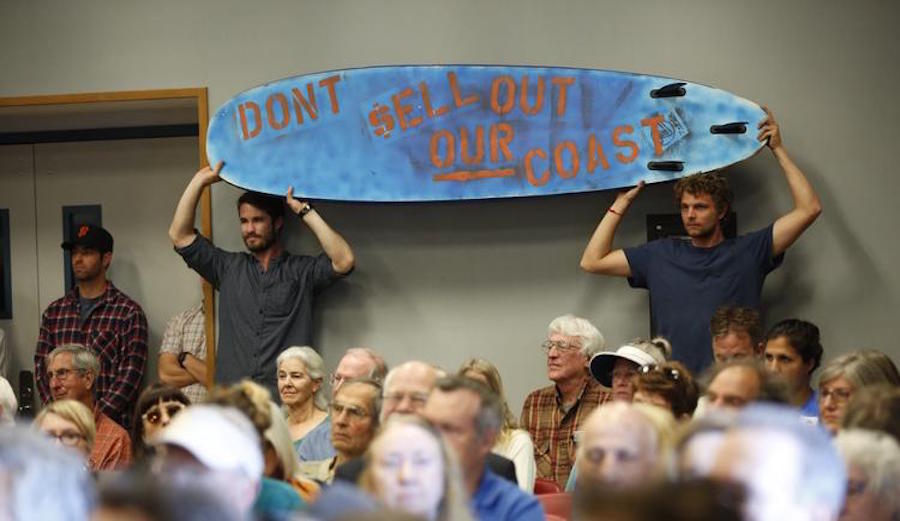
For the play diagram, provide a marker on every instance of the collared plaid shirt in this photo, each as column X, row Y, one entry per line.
column 186, row 332
column 552, row 429
column 116, row 331
column 112, row 445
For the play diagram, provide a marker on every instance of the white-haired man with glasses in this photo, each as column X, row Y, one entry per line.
column 552, row 414
column 72, row 372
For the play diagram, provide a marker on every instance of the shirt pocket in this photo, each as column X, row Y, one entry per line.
column 281, row 298
column 106, row 344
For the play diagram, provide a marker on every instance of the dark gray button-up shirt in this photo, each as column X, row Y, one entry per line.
column 261, row 312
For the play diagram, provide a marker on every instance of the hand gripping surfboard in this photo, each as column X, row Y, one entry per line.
column 448, row 132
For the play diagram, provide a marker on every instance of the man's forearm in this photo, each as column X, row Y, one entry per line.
column 171, row 373
column 196, row 367
column 181, row 231
column 337, row 249
column 802, row 192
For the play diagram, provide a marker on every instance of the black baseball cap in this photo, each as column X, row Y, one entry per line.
column 91, row 237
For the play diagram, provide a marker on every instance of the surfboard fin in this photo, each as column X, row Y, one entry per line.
column 668, row 166
column 671, row 90
column 736, row 127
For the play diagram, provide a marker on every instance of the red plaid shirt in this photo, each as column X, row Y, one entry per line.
column 112, row 446
column 116, row 331
column 553, row 430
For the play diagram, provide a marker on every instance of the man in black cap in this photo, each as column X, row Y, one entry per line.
column 97, row 315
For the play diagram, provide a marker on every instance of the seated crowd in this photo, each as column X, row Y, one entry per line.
column 623, row 433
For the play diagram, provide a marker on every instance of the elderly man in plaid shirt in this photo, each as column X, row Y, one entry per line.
column 552, row 414
column 72, row 370
column 98, row 316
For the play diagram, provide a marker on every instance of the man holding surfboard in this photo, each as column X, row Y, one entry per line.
column 266, row 295
column 688, row 280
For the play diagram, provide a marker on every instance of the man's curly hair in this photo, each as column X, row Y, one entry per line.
column 712, row 183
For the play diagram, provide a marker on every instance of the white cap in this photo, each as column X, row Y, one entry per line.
column 221, row 438
column 602, row 363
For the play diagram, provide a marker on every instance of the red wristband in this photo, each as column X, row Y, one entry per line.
column 613, row 211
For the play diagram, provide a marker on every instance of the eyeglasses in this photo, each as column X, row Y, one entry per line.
column 414, row 398
column 670, row 373
column 154, row 415
column 67, row 438
column 562, row 347
column 353, row 412
column 838, row 395
column 61, row 374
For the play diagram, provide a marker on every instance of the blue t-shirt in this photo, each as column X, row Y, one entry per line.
column 500, row 499
column 687, row 284
column 316, row 445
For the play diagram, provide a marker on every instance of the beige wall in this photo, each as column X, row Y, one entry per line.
column 447, row 281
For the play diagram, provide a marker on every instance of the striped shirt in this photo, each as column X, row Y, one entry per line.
column 186, row 332
column 115, row 331
column 552, row 428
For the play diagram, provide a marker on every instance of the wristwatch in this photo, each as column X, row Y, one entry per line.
column 181, row 358
column 305, row 210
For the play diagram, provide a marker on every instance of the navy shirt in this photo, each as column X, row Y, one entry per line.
column 261, row 312
column 687, row 284
column 499, row 499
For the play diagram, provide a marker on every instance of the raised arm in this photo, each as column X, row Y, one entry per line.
column 181, row 231
column 598, row 256
column 807, row 206
column 335, row 246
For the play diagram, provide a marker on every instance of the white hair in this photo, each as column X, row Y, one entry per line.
column 315, row 368
column 592, row 340
column 878, row 456
column 8, row 403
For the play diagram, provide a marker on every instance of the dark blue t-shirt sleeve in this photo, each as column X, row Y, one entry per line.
column 758, row 244
column 639, row 261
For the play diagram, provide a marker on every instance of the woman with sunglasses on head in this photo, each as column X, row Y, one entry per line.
column 156, row 406
column 70, row 423
column 669, row 386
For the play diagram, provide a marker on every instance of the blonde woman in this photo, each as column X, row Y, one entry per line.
column 281, row 461
column 301, row 372
column 410, row 468
column 513, row 443
column 70, row 423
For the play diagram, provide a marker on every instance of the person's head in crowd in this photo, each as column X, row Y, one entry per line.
column 873, row 475
column 712, row 191
column 215, row 445
column 143, row 497
column 687, row 500
column 355, row 412
column 91, row 253
column 8, row 403
column 735, row 384
column 70, row 423
column 469, row 416
column 156, row 406
column 623, row 445
column 249, row 398
column 407, row 386
column 410, row 468
column 696, row 444
column 72, row 370
column 670, row 386
column 617, row 369
column 262, row 218
column 571, row 342
column 487, row 373
column 793, row 351
column 876, row 408
column 790, row 469
column 843, row 376
column 358, row 362
column 301, row 378
column 735, row 332
column 40, row 481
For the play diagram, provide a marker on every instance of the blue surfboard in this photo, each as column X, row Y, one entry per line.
column 448, row 132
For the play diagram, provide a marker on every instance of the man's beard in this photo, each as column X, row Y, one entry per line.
column 265, row 242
